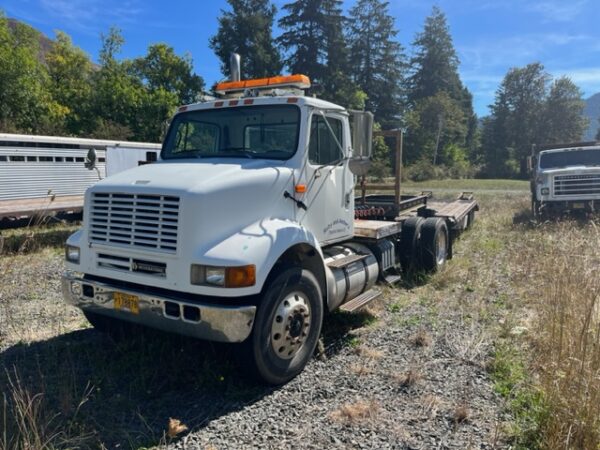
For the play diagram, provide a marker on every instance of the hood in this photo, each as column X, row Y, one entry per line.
column 196, row 176
column 571, row 170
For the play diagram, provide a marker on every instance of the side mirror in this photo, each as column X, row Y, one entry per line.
column 362, row 142
column 90, row 159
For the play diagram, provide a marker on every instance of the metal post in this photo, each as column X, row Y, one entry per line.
column 398, row 166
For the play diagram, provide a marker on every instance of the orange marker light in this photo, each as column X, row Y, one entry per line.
column 300, row 188
column 242, row 276
column 297, row 81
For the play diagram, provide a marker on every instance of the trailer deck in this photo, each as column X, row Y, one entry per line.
column 40, row 206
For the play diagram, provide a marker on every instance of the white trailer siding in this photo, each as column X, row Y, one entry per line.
column 123, row 157
column 38, row 166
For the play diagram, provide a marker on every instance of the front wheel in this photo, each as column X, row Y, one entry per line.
column 287, row 327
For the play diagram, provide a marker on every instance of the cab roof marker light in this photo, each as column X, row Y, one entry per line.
column 296, row 81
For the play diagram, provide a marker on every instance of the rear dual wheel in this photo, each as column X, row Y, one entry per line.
column 435, row 243
column 424, row 244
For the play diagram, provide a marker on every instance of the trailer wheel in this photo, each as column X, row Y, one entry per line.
column 410, row 235
column 287, row 327
column 470, row 218
column 434, row 243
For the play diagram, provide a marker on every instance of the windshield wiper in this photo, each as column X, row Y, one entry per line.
column 243, row 150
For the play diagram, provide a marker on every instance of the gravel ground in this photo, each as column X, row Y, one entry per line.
column 406, row 385
column 410, row 373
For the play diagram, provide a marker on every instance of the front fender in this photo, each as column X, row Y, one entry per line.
column 261, row 244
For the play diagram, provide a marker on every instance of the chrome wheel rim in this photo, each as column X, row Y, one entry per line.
column 291, row 325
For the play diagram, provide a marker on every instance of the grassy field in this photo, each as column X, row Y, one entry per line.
column 527, row 294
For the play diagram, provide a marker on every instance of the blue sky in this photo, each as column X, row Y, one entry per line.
column 490, row 36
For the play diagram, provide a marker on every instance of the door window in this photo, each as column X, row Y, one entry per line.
column 323, row 148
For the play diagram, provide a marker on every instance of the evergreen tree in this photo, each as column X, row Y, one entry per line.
column 376, row 59
column 315, row 44
column 434, row 80
column 247, row 30
column 435, row 64
column 563, row 119
column 303, row 38
column 516, row 119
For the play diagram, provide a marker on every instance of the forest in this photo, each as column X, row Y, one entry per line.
column 353, row 58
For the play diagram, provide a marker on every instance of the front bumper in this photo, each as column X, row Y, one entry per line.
column 210, row 322
column 556, row 206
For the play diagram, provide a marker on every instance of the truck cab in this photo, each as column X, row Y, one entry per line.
column 245, row 230
column 566, row 178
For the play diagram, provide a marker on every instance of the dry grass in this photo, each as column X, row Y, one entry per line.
column 421, row 338
column 409, row 378
column 369, row 353
column 358, row 411
column 562, row 265
column 461, row 414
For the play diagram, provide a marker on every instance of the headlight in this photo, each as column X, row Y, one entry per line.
column 72, row 254
column 545, row 191
column 229, row 277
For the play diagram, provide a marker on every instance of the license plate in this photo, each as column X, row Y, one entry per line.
column 128, row 302
column 578, row 205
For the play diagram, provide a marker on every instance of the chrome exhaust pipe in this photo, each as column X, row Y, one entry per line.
column 234, row 67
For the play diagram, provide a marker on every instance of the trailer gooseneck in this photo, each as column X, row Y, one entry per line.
column 248, row 230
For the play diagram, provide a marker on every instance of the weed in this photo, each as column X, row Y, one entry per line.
column 357, row 411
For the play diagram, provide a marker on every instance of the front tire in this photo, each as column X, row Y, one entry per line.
column 287, row 327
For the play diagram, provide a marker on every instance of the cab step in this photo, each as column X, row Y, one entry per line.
column 392, row 279
column 360, row 301
column 345, row 261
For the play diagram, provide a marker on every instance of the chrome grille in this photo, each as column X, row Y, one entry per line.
column 565, row 185
column 135, row 220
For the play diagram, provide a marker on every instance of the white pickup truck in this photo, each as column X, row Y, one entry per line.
column 245, row 231
column 565, row 178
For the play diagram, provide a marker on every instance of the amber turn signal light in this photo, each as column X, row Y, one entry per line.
column 242, row 276
column 300, row 188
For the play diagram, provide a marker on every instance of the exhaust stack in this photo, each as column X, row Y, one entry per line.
column 234, row 67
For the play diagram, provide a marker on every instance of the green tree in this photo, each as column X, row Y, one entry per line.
column 161, row 68
column 377, row 59
column 434, row 124
column 434, row 71
column 247, row 30
column 69, row 69
column 118, row 95
column 167, row 81
column 434, row 66
column 25, row 102
column 315, row 44
column 563, row 119
column 516, row 119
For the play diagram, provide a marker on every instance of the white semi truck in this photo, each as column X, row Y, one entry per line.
column 565, row 178
column 245, row 231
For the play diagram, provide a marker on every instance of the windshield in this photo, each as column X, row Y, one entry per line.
column 269, row 132
column 570, row 158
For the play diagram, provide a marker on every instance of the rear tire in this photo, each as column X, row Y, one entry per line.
column 287, row 327
column 410, row 235
column 434, row 244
